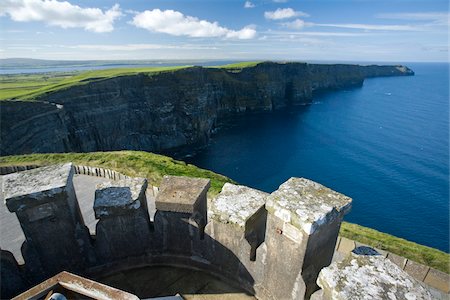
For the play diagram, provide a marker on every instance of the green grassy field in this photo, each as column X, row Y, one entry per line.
column 30, row 86
column 154, row 167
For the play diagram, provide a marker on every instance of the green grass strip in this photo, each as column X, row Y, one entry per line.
column 422, row 254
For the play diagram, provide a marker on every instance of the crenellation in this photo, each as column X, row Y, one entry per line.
column 303, row 223
column 272, row 245
column 45, row 203
column 181, row 216
column 121, row 208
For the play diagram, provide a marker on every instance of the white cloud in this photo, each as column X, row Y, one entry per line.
column 137, row 47
column 249, row 4
column 280, row 1
column 284, row 13
column 61, row 14
column 437, row 18
column 372, row 27
column 175, row 23
column 296, row 24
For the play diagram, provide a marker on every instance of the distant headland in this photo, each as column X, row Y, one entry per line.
column 164, row 108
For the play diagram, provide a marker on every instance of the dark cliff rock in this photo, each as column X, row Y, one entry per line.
column 166, row 110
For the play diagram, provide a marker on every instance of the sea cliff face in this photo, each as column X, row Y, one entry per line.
column 167, row 110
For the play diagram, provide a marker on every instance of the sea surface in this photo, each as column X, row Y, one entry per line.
column 386, row 145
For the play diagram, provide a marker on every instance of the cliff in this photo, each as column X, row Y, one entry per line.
column 168, row 110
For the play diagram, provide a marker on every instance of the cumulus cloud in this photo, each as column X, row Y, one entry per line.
column 249, row 4
column 61, row 14
column 175, row 23
column 284, row 13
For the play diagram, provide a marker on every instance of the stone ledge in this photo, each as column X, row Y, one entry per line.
column 236, row 204
column 181, row 194
column 307, row 204
column 369, row 277
column 118, row 196
column 33, row 187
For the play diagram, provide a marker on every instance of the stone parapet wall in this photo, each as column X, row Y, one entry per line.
column 79, row 170
column 271, row 245
column 432, row 277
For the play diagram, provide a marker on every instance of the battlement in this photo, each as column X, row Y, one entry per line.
column 271, row 245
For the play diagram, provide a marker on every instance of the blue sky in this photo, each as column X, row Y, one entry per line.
column 333, row 30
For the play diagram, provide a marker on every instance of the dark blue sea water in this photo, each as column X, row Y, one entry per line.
column 386, row 145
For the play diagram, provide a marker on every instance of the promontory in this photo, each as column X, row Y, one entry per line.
column 165, row 110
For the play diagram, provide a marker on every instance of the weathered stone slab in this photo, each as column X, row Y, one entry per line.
column 306, row 204
column 438, row 280
column 46, row 206
column 416, row 270
column 124, row 225
column 181, row 194
column 368, row 277
column 116, row 197
column 36, row 186
column 346, row 245
column 236, row 204
column 398, row 260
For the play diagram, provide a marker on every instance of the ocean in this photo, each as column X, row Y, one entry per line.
column 386, row 145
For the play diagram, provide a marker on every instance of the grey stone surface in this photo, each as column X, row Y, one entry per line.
column 113, row 197
column 306, row 204
column 56, row 238
column 236, row 204
column 302, row 229
column 369, row 277
column 124, row 226
column 181, row 194
column 12, row 280
column 35, row 186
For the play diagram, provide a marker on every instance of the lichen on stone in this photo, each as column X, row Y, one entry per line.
column 35, row 185
column 236, row 204
column 307, row 204
column 369, row 277
column 122, row 193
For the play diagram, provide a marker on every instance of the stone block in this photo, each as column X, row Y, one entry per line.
column 36, row 186
column 46, row 206
column 302, row 229
column 123, row 229
column 306, row 204
column 398, row 260
column 346, row 246
column 181, row 216
column 438, row 280
column 237, row 228
column 416, row 270
column 119, row 197
column 243, row 208
column 368, row 277
column 181, row 194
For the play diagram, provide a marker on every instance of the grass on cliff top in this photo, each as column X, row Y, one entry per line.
column 30, row 86
column 154, row 167
column 239, row 65
column 422, row 254
column 132, row 163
